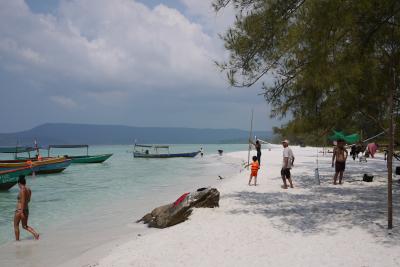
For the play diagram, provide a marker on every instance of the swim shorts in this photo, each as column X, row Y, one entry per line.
column 285, row 172
column 340, row 166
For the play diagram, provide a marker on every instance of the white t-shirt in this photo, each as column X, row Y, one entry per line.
column 288, row 153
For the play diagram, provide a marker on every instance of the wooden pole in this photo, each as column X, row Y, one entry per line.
column 251, row 133
column 390, row 162
column 392, row 93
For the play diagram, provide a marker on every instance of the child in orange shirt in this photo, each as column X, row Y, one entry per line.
column 254, row 170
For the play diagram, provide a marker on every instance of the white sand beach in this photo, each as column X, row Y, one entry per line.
column 310, row 225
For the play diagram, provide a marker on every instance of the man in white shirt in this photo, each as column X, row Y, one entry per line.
column 288, row 160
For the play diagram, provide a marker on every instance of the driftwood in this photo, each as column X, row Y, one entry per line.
column 179, row 211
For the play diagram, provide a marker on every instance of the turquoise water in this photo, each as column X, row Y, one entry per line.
column 102, row 192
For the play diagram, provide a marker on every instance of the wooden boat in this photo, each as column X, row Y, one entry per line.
column 43, row 166
column 84, row 158
column 151, row 151
column 9, row 178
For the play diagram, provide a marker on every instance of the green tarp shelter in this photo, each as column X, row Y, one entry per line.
column 349, row 139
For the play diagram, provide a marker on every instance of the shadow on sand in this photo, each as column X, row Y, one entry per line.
column 314, row 209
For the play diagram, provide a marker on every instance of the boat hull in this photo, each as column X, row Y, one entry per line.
column 45, row 166
column 9, row 178
column 90, row 159
column 163, row 156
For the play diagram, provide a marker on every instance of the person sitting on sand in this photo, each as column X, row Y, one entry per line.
column 288, row 160
column 340, row 154
column 254, row 170
column 22, row 211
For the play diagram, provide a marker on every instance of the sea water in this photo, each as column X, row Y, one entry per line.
column 86, row 204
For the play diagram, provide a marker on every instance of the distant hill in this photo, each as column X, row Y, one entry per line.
column 67, row 133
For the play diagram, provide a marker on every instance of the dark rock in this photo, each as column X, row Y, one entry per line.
column 179, row 211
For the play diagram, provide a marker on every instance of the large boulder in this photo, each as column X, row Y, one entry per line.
column 180, row 210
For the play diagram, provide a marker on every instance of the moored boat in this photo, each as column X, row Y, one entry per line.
column 44, row 166
column 83, row 158
column 10, row 177
column 39, row 166
column 152, row 151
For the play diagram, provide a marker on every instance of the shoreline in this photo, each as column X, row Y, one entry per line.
column 309, row 225
column 84, row 239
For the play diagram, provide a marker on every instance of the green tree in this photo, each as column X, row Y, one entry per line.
column 335, row 63
column 330, row 60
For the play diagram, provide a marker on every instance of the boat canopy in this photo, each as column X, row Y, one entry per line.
column 18, row 149
column 152, row 146
column 67, row 146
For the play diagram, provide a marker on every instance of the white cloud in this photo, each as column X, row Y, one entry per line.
column 116, row 59
column 64, row 102
column 107, row 42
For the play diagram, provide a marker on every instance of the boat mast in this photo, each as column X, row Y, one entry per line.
column 251, row 133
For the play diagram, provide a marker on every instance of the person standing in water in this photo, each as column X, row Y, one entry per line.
column 340, row 155
column 22, row 210
column 288, row 160
column 257, row 145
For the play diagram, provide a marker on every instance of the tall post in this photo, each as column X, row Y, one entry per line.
column 392, row 95
column 390, row 161
column 250, row 134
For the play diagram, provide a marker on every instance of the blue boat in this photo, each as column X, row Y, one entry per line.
column 53, row 165
column 39, row 166
column 152, row 152
column 44, row 166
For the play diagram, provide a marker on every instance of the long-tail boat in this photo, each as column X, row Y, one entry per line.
column 44, row 166
column 152, row 151
column 39, row 166
column 83, row 158
column 9, row 178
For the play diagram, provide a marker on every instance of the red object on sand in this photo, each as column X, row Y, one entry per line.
column 180, row 199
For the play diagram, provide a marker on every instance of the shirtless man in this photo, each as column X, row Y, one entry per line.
column 340, row 154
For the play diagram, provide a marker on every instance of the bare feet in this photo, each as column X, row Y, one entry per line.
column 284, row 186
column 37, row 236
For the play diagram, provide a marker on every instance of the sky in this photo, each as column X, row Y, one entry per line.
column 124, row 62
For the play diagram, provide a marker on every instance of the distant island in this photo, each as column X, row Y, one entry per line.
column 69, row 133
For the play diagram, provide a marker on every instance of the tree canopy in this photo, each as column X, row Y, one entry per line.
column 333, row 62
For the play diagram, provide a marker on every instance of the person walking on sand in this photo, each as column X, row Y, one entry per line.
column 257, row 145
column 339, row 158
column 22, row 210
column 288, row 160
column 254, row 170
